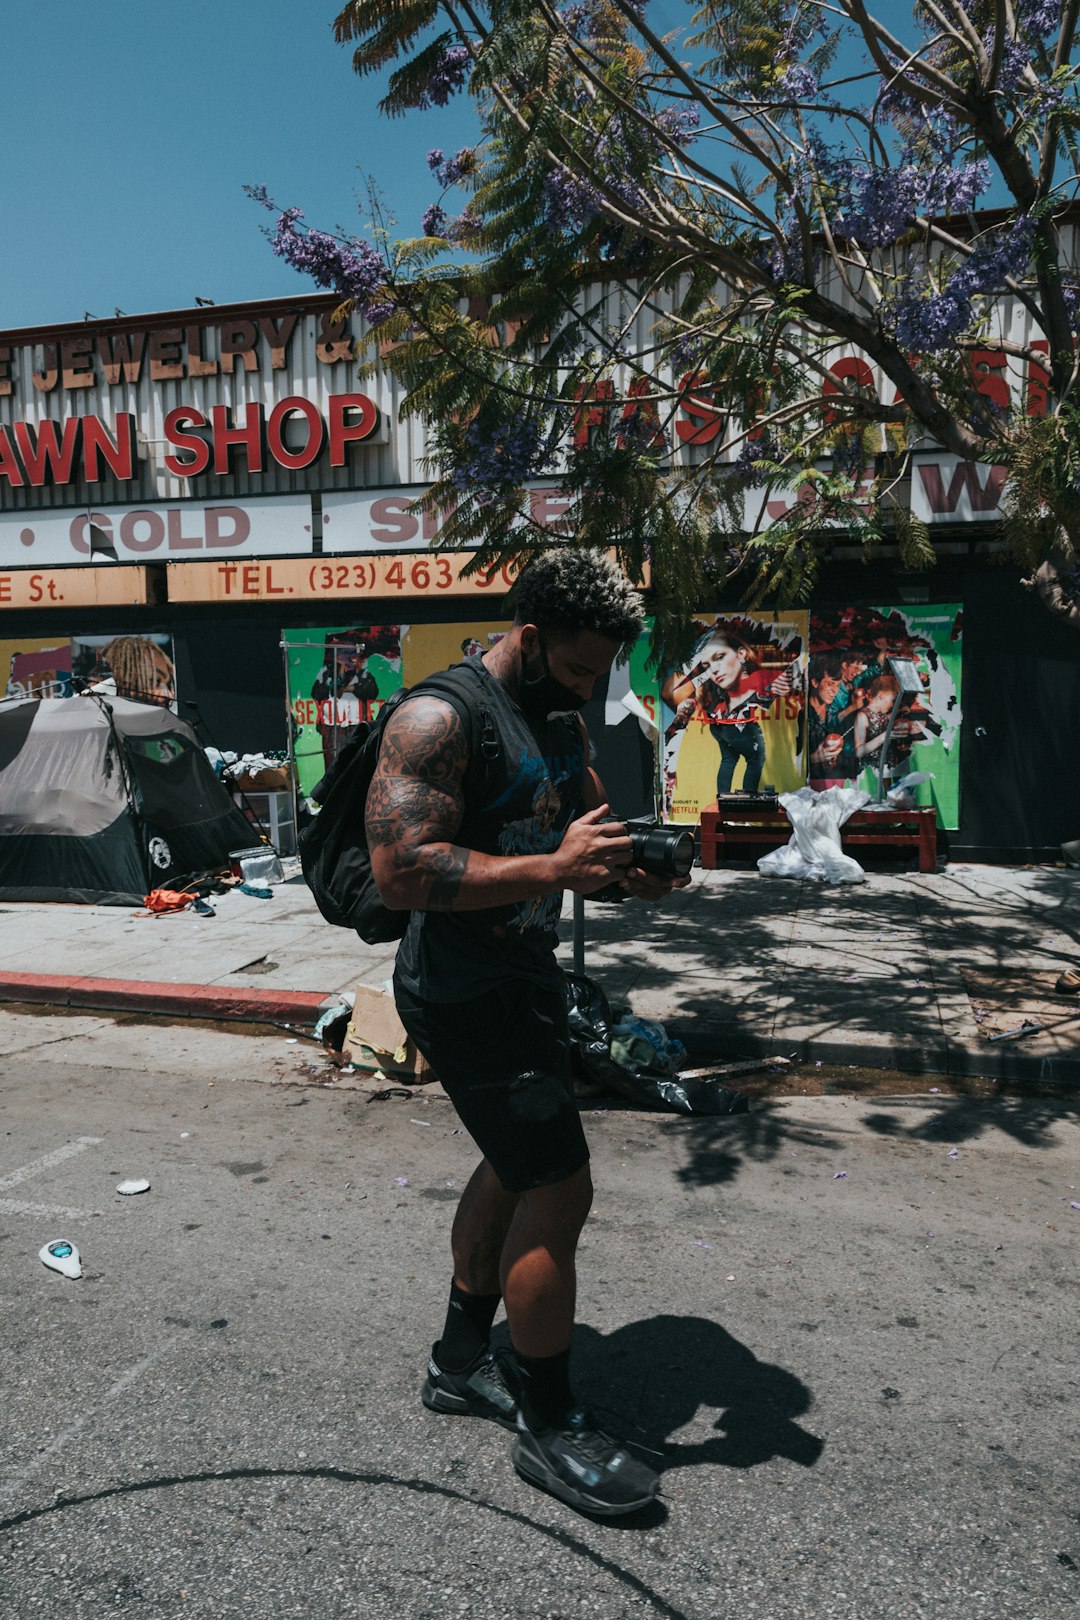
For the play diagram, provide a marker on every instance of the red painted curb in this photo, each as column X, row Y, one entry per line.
column 256, row 1006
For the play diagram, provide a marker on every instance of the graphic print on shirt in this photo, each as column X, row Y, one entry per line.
column 540, row 832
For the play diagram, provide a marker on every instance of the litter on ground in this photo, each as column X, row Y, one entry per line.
column 61, row 1256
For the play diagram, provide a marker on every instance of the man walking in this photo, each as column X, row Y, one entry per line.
column 481, row 858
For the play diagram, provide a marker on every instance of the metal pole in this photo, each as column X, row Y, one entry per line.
column 884, row 755
column 579, row 935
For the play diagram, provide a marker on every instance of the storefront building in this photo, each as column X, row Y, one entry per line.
column 211, row 499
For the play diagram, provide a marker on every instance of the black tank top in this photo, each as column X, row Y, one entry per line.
column 518, row 804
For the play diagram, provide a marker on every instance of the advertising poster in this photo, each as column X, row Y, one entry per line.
column 851, row 692
column 427, row 648
column 336, row 679
column 139, row 666
column 732, row 713
column 36, row 668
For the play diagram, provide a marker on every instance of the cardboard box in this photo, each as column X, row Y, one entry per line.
column 376, row 1038
column 273, row 779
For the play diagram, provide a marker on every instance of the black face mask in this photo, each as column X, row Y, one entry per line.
column 542, row 694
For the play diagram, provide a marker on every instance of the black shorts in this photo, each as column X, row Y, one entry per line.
column 503, row 1059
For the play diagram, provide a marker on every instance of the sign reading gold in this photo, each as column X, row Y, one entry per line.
column 74, row 587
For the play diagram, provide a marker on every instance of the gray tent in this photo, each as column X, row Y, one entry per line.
column 104, row 799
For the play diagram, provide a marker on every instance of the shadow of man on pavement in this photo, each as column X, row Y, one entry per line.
column 657, row 1374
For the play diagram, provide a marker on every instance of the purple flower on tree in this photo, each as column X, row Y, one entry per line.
column 928, row 321
column 1038, row 18
column 350, row 267
column 502, row 457
column 451, row 171
column 679, row 123
column 446, row 76
column 799, row 82
column 434, row 222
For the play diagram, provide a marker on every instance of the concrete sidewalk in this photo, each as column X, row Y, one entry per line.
column 908, row 971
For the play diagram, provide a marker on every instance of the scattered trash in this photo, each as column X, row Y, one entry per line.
column 332, row 1025
column 183, row 1134
column 1026, row 1028
column 426, row 1123
column 260, row 866
column 841, row 1175
column 458, row 1131
column 741, row 1066
column 700, row 1245
column 641, row 1043
column 401, row 1181
column 375, row 1038
column 160, row 901
column 814, row 851
column 900, row 796
column 1073, row 1204
column 252, row 889
column 128, row 1188
column 731, row 1278
column 61, row 1256
column 291, row 1040
column 953, row 1153
column 391, row 1091
column 998, row 1247
column 1068, row 982
column 644, row 1083
column 936, row 1089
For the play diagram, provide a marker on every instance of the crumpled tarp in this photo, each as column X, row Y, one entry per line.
column 813, row 850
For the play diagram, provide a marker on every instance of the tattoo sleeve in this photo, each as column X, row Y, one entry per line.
column 415, row 805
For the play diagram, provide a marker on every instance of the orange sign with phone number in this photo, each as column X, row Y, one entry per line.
column 374, row 578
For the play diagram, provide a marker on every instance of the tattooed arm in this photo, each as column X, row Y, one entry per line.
column 415, row 807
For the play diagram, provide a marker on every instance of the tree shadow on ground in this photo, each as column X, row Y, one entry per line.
column 1028, row 1120
column 658, row 1373
column 717, row 1147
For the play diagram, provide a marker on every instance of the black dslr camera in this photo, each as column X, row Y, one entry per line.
column 660, row 850
column 655, row 848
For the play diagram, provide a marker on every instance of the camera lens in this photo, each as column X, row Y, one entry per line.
column 663, row 851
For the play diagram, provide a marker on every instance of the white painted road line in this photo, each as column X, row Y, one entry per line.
column 14, row 1177
column 13, row 1483
column 13, row 1206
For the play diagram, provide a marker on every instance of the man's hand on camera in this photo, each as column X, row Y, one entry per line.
column 594, row 850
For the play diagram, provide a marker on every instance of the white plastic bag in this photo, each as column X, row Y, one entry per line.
column 813, row 851
column 900, row 796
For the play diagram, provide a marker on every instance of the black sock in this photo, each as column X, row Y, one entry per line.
column 468, row 1328
column 544, row 1395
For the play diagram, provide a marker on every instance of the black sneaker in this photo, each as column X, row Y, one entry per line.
column 478, row 1390
column 584, row 1467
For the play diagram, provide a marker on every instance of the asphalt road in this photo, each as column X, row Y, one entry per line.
column 853, row 1350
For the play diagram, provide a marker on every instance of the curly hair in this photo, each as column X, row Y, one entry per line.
column 570, row 590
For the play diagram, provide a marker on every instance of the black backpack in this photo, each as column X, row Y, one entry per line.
column 333, row 848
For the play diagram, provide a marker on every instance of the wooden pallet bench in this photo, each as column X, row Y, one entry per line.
column 731, row 823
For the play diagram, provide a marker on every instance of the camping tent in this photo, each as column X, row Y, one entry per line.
column 104, row 799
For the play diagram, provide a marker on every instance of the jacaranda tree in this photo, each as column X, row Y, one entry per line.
column 768, row 251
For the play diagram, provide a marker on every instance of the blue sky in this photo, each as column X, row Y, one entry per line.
column 131, row 129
